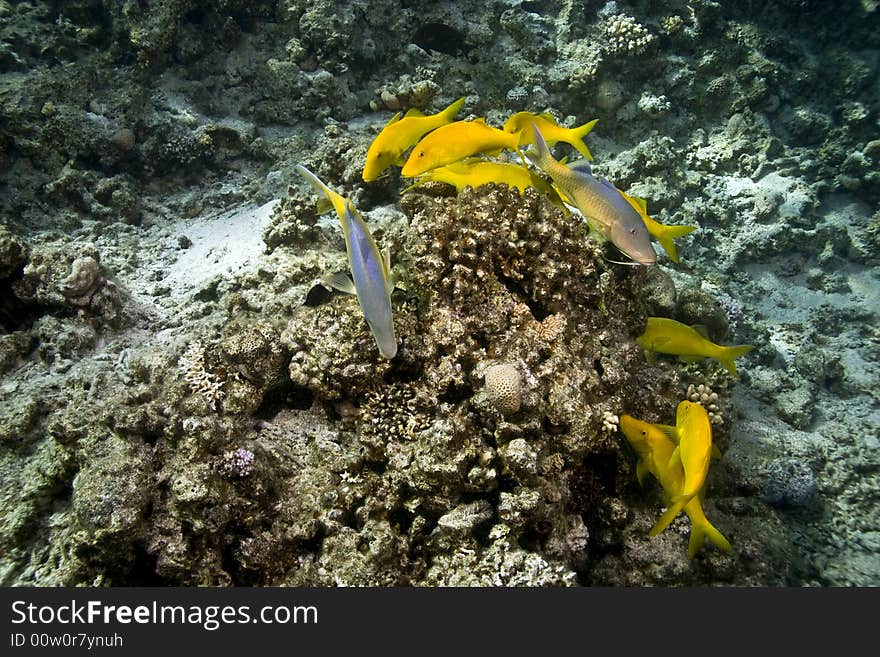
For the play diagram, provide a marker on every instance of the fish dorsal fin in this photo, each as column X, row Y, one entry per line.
column 582, row 166
column 482, row 120
column 669, row 432
column 642, row 203
column 607, row 183
column 394, row 119
column 547, row 116
column 716, row 453
column 701, row 329
column 413, row 112
column 339, row 281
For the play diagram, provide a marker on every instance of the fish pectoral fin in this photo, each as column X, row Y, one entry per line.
column 324, row 205
column 701, row 329
column 400, row 161
column 339, row 281
column 650, row 356
column 716, row 453
column 675, row 459
column 641, row 472
column 666, row 518
column 669, row 431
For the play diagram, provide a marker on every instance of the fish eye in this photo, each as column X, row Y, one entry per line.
column 644, row 433
column 632, row 231
column 421, row 153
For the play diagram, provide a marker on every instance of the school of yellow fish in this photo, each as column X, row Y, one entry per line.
column 442, row 149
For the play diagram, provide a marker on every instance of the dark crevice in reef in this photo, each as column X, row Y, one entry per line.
column 280, row 397
column 296, row 397
column 595, row 479
column 539, row 312
column 142, row 570
column 404, row 372
column 455, row 394
column 377, row 467
column 402, row 519
column 554, row 429
column 15, row 314
column 439, row 37
column 318, row 295
column 239, row 575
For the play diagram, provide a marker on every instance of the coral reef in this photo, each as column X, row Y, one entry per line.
column 182, row 402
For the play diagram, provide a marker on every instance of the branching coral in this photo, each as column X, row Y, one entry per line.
column 626, row 35
column 200, row 380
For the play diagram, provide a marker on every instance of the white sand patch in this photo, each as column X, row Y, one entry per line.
column 222, row 245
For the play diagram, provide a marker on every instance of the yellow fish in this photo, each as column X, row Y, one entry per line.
column 661, row 232
column 399, row 134
column 456, row 141
column 520, row 123
column 474, row 173
column 693, row 433
column 666, row 336
column 655, row 449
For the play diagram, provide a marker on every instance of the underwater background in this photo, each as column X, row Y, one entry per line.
column 182, row 402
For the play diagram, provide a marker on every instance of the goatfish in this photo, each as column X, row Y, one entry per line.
column 476, row 172
column 692, row 434
column 662, row 233
column 400, row 134
column 655, row 449
column 606, row 211
column 456, row 141
column 520, row 123
column 666, row 336
column 370, row 270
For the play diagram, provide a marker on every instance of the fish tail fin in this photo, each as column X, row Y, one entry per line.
column 667, row 518
column 727, row 355
column 700, row 531
column 668, row 234
column 579, row 133
column 450, row 112
column 328, row 199
column 540, row 154
column 314, row 182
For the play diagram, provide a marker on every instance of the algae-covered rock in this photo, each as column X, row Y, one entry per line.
column 177, row 407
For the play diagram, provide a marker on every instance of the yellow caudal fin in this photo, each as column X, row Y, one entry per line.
column 669, row 233
column 726, row 356
column 667, row 518
column 702, row 530
column 578, row 141
column 328, row 199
